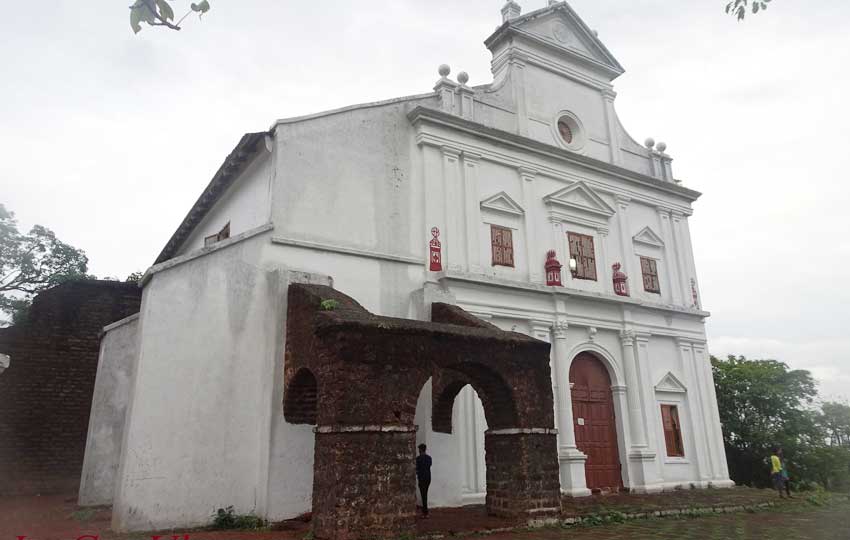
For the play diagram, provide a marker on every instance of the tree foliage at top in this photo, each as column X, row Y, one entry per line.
column 739, row 8
column 160, row 13
column 33, row 262
column 764, row 404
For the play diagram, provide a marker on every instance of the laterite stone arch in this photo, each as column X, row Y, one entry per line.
column 357, row 377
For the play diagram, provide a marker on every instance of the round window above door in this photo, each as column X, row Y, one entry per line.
column 569, row 132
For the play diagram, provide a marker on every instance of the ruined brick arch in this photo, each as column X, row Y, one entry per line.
column 301, row 398
column 495, row 394
column 368, row 372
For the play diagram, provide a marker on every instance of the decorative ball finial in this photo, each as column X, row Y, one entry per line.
column 444, row 70
column 463, row 77
column 649, row 142
column 662, row 146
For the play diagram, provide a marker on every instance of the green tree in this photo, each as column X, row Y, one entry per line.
column 160, row 13
column 835, row 419
column 31, row 263
column 762, row 404
column 739, row 8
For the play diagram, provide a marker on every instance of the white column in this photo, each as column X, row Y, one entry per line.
column 670, row 256
column 571, row 459
column 452, row 238
column 473, row 211
column 534, row 259
column 702, row 454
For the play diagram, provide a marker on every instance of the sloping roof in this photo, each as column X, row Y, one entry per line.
column 233, row 165
column 515, row 26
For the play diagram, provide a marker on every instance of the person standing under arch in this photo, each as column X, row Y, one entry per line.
column 423, row 476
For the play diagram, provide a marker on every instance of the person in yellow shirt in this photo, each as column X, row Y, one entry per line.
column 776, row 472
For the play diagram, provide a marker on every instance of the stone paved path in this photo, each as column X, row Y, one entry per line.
column 53, row 518
column 797, row 521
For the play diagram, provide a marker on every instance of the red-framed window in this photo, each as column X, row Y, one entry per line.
column 581, row 249
column 672, row 431
column 502, row 246
column 649, row 269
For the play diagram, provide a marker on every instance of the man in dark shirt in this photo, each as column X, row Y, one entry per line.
column 423, row 476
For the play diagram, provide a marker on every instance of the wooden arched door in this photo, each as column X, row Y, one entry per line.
column 594, row 422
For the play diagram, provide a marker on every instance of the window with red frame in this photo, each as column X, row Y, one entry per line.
column 672, row 431
column 502, row 246
column 649, row 269
column 581, row 249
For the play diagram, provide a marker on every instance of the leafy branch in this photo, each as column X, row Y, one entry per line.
column 33, row 262
column 160, row 13
column 739, row 8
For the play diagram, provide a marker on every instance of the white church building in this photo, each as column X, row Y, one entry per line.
column 470, row 195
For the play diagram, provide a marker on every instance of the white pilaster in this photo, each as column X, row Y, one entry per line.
column 571, row 459
column 670, row 264
column 626, row 245
column 712, row 418
column 636, row 430
column 643, row 466
column 605, row 273
column 608, row 96
column 517, row 74
column 535, row 262
column 690, row 265
column 680, row 250
column 452, row 238
column 435, row 209
column 696, row 408
column 473, row 211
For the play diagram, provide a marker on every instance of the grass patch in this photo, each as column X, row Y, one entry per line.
column 227, row 519
column 328, row 305
column 84, row 514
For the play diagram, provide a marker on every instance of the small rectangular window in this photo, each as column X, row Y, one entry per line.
column 502, row 245
column 581, row 249
column 649, row 269
column 223, row 234
column 672, row 431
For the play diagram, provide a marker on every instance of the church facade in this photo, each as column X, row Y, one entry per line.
column 523, row 201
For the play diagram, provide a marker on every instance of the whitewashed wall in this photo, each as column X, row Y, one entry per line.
column 116, row 365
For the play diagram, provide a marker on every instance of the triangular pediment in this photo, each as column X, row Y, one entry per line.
column 579, row 196
column 559, row 28
column 502, row 202
column 669, row 383
column 648, row 237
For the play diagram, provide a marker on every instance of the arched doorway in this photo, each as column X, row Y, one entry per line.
column 594, row 422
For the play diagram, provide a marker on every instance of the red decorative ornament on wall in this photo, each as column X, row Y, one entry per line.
column 553, row 270
column 621, row 288
column 436, row 254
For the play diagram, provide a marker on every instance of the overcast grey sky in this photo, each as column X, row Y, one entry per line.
column 108, row 138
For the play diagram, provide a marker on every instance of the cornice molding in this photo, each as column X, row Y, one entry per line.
column 422, row 114
column 567, row 292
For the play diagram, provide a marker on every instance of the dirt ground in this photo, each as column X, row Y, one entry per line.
column 57, row 517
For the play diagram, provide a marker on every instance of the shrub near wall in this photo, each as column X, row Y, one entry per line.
column 46, row 393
